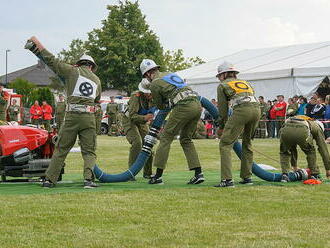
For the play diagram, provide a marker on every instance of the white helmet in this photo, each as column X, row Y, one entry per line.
column 88, row 58
column 144, row 86
column 147, row 65
column 226, row 67
column 321, row 125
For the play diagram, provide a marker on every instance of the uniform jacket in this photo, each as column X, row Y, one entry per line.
column 136, row 102
column 85, row 92
column 163, row 92
column 13, row 111
column 47, row 111
column 227, row 91
column 36, row 112
column 292, row 109
column 263, row 109
column 112, row 108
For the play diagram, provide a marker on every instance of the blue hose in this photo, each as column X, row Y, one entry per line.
column 256, row 169
column 145, row 154
column 139, row 162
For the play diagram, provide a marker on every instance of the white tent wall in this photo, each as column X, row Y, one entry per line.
column 270, row 88
column 306, row 86
column 288, row 70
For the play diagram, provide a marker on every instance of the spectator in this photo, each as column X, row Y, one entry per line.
column 319, row 109
column 209, row 130
column 327, row 116
column 302, row 106
column 36, row 113
column 47, row 111
column 261, row 129
column 269, row 123
column 280, row 111
column 310, row 106
column 295, row 99
column 292, row 107
column 13, row 111
column 272, row 117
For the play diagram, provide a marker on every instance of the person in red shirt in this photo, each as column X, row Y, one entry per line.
column 272, row 119
column 36, row 113
column 280, row 111
column 47, row 111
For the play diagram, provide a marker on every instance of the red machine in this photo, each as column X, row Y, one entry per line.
column 25, row 151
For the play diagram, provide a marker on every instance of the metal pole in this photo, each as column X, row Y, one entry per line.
column 7, row 50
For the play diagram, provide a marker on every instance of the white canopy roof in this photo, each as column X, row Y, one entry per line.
column 268, row 64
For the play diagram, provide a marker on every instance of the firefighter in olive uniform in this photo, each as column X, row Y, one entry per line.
column 60, row 111
column 261, row 130
column 112, row 112
column 244, row 120
column 83, row 90
column 13, row 111
column 302, row 130
column 3, row 104
column 135, row 122
column 98, row 118
column 169, row 90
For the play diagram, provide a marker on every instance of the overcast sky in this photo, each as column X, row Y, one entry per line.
column 206, row 28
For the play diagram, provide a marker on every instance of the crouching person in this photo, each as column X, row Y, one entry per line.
column 135, row 122
column 317, row 132
column 297, row 131
column 169, row 90
column 83, row 90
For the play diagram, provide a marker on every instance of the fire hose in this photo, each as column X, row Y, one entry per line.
column 150, row 141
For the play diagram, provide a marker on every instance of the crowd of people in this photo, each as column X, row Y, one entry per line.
column 274, row 113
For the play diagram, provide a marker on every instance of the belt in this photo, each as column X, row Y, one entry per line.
column 183, row 95
column 244, row 99
column 80, row 108
column 300, row 122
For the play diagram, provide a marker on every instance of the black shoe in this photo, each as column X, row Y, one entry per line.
column 47, row 184
column 89, row 184
column 285, row 178
column 247, row 181
column 197, row 179
column 156, row 180
column 316, row 176
column 132, row 179
column 146, row 176
column 225, row 183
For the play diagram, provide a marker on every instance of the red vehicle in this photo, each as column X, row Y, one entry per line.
column 25, row 151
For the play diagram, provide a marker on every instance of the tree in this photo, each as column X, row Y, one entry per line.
column 24, row 88
column 75, row 51
column 119, row 46
column 45, row 94
column 175, row 61
column 30, row 92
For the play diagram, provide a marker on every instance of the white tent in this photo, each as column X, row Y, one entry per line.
column 287, row 70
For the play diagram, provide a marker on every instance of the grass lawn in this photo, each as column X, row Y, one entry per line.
column 135, row 214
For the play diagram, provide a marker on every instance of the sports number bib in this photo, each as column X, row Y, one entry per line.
column 175, row 80
column 241, row 87
column 85, row 88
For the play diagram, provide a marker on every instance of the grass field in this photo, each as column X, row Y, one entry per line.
column 135, row 214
